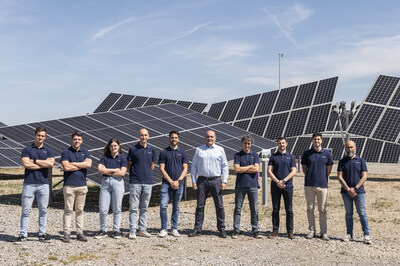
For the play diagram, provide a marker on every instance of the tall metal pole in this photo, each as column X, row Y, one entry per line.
column 279, row 58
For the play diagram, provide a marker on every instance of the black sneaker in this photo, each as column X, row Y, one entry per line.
column 101, row 234
column 116, row 234
column 81, row 237
column 45, row 238
column 20, row 239
column 222, row 233
column 66, row 238
column 256, row 234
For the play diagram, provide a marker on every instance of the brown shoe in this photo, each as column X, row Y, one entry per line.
column 274, row 234
column 291, row 235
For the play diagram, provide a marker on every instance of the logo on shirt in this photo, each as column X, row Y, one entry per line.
column 149, row 152
column 44, row 151
column 288, row 158
column 323, row 157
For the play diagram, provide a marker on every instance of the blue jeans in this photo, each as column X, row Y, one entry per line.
column 165, row 193
column 252, row 194
column 139, row 198
column 29, row 192
column 111, row 190
column 359, row 200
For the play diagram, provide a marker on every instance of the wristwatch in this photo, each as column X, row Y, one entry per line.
column 34, row 161
column 283, row 180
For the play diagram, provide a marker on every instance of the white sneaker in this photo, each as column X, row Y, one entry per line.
column 175, row 233
column 310, row 235
column 144, row 234
column 347, row 238
column 163, row 233
column 367, row 239
column 132, row 236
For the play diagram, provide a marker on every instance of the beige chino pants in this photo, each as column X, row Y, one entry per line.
column 77, row 195
column 322, row 194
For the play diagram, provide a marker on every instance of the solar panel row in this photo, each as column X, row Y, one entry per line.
column 125, row 125
column 117, row 101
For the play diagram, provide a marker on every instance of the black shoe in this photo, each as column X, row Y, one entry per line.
column 20, row 239
column 101, row 234
column 195, row 233
column 256, row 234
column 81, row 237
column 235, row 234
column 66, row 238
column 222, row 233
column 45, row 238
column 116, row 234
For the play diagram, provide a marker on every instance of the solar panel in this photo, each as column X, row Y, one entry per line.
column 276, row 126
column 266, row 103
column 318, row 119
column 108, row 102
column 296, row 123
column 390, row 153
column 231, row 110
column 243, row 125
column 248, row 106
column 216, row 110
column 258, row 125
column 153, row 101
column 305, row 95
column 184, row 103
column 285, row 99
column 337, row 147
column 382, row 90
column 198, row 107
column 2, row 124
column 122, row 102
column 168, row 101
column 138, row 101
column 389, row 126
column 371, row 151
column 302, row 144
column 325, row 90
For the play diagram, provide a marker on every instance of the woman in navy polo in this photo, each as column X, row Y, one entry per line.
column 113, row 167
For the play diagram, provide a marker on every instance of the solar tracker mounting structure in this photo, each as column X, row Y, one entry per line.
column 125, row 125
column 117, row 101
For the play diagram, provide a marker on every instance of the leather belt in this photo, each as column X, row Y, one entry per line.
column 209, row 178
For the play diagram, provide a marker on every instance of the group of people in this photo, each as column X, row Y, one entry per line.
column 209, row 174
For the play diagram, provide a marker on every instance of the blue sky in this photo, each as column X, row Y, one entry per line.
column 62, row 58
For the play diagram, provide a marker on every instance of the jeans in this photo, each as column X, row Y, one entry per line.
column 29, row 192
column 74, row 195
column 111, row 190
column 276, row 194
column 203, row 188
column 165, row 193
column 139, row 198
column 359, row 200
column 322, row 195
column 252, row 195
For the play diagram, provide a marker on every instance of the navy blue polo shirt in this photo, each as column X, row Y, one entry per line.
column 352, row 169
column 141, row 158
column 75, row 178
column 112, row 163
column 316, row 163
column 245, row 159
column 34, row 153
column 173, row 160
column 282, row 164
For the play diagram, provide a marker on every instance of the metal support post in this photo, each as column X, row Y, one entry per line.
column 264, row 182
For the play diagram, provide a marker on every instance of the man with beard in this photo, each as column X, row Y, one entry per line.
column 352, row 174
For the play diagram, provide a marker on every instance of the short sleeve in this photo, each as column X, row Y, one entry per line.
column 236, row 159
column 256, row 158
column 271, row 160
column 292, row 161
column 129, row 156
column 162, row 158
column 50, row 153
column 103, row 161
column 185, row 158
column 154, row 154
column 64, row 156
column 124, row 162
column 363, row 166
column 340, row 166
column 304, row 158
column 87, row 154
column 330, row 159
column 25, row 152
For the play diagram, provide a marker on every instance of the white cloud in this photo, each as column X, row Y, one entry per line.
column 107, row 30
column 286, row 20
column 182, row 34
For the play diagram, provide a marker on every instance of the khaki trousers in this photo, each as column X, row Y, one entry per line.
column 322, row 194
column 77, row 195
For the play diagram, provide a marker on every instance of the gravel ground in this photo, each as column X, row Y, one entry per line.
column 383, row 209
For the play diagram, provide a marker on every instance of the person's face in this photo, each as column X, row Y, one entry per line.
column 282, row 144
column 76, row 142
column 246, row 146
column 143, row 136
column 210, row 138
column 114, row 148
column 317, row 141
column 40, row 137
column 350, row 149
column 174, row 139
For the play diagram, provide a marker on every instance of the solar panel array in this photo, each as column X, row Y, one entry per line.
column 379, row 120
column 125, row 125
column 293, row 111
column 10, row 154
column 2, row 124
column 117, row 101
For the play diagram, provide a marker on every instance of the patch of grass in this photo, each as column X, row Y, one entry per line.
column 162, row 246
column 396, row 221
column 382, row 203
column 343, row 252
column 82, row 256
column 376, row 220
column 53, row 258
column 121, row 244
